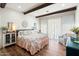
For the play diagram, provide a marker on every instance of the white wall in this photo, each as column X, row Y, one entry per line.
column 31, row 20
column 0, row 16
column 10, row 15
column 0, row 33
column 77, row 16
column 68, row 22
column 0, row 30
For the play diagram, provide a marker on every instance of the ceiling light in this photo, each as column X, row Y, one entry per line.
column 47, row 11
column 63, row 5
column 19, row 6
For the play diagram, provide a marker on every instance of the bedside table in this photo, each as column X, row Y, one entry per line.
column 9, row 38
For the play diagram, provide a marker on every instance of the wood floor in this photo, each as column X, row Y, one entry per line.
column 53, row 49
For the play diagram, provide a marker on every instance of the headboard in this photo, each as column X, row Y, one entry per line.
column 22, row 31
column 25, row 31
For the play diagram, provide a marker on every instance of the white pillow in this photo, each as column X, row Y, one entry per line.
column 20, row 33
column 26, row 32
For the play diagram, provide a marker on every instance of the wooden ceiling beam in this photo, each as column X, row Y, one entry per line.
column 39, row 7
column 2, row 5
column 60, row 11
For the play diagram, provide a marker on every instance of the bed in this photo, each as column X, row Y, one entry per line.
column 32, row 41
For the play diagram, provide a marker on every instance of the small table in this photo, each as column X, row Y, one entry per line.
column 72, row 49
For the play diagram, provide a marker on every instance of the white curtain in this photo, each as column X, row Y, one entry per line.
column 43, row 26
column 68, row 22
column 57, row 25
column 54, row 27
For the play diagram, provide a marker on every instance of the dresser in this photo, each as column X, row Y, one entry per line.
column 9, row 38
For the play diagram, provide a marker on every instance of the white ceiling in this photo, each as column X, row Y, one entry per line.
column 27, row 6
column 22, row 7
column 53, row 8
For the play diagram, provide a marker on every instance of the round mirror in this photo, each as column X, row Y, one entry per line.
column 24, row 24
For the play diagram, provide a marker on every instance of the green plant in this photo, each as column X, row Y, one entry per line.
column 4, row 28
column 75, row 29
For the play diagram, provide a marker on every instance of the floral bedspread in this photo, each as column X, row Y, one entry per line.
column 33, row 42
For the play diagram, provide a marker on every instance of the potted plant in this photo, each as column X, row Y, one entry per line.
column 3, row 28
column 75, row 30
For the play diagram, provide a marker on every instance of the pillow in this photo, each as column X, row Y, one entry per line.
column 20, row 33
column 33, row 31
column 26, row 32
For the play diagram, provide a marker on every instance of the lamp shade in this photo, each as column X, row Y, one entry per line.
column 13, row 27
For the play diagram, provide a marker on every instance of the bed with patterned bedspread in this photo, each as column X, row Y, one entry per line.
column 33, row 42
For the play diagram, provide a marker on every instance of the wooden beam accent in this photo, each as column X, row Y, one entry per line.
column 39, row 7
column 2, row 5
column 61, row 11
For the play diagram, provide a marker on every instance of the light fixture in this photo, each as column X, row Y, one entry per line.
column 19, row 6
column 47, row 11
column 13, row 27
column 10, row 26
column 63, row 4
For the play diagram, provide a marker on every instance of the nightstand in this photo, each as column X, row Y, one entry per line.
column 9, row 38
